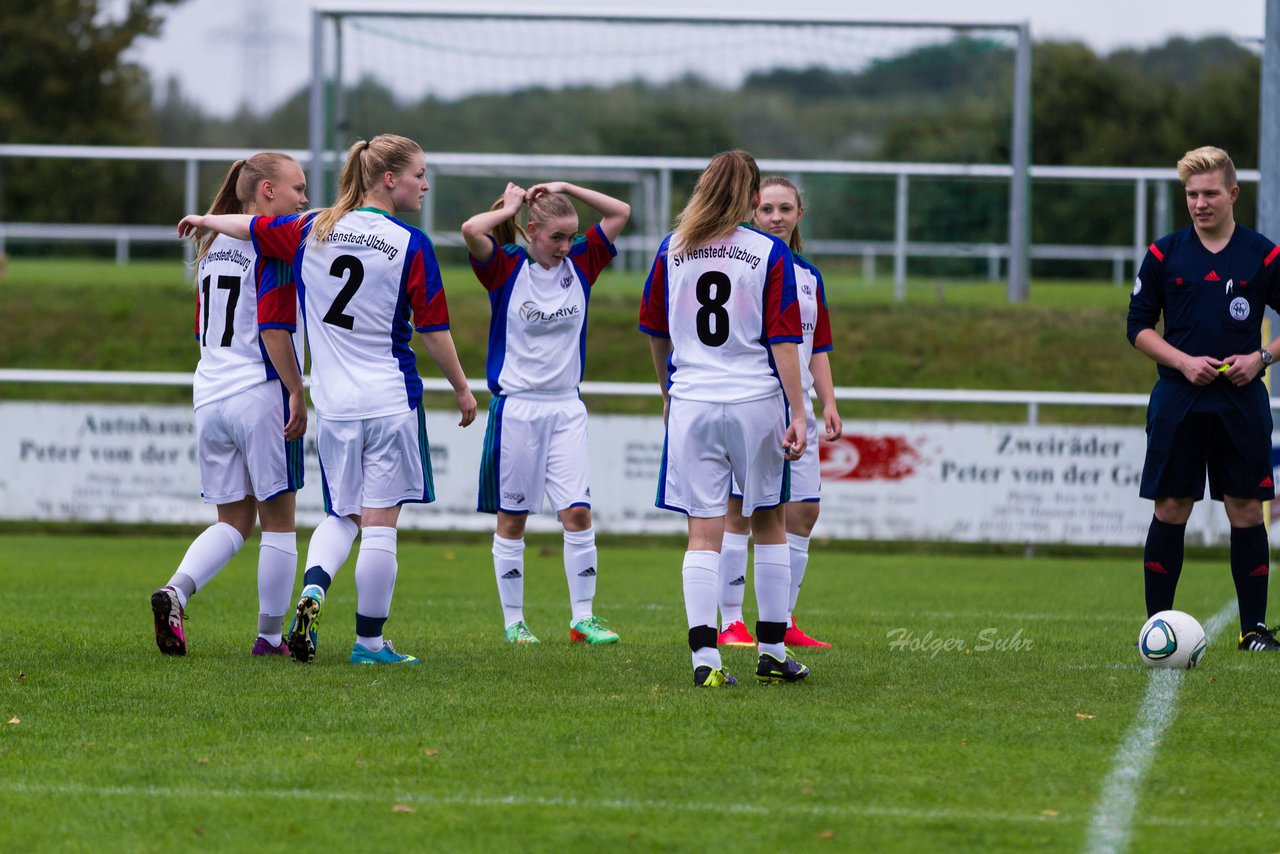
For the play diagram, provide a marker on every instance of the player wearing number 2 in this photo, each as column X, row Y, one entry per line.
column 536, row 439
column 367, row 281
column 250, row 409
column 720, row 309
column 1209, row 409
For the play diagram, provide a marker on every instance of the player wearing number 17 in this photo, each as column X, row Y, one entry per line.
column 367, row 281
column 724, row 324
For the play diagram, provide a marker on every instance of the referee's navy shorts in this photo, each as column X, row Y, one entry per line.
column 1218, row 428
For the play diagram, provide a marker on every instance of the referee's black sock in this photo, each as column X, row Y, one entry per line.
column 1162, row 563
column 1249, row 570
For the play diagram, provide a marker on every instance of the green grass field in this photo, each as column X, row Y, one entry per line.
column 945, row 743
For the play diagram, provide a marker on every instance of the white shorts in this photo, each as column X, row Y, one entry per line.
column 532, row 446
column 710, row 445
column 241, row 446
column 375, row 462
column 806, row 472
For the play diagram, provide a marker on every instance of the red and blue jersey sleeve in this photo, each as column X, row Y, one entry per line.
column 279, row 237
column 277, row 295
column 653, row 305
column 424, row 287
column 781, row 310
column 592, row 252
column 822, row 329
column 501, row 266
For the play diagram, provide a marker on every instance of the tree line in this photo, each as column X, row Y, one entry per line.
column 64, row 78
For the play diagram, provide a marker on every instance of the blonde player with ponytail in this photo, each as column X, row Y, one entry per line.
column 250, row 409
column 724, row 324
column 536, row 438
column 367, row 281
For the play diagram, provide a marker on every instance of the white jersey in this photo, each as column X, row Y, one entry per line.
column 364, row 291
column 814, row 320
column 238, row 294
column 722, row 305
column 538, row 327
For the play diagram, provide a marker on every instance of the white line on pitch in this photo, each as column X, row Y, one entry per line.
column 1112, row 822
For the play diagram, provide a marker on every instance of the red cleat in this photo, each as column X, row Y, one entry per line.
column 795, row 636
column 736, row 634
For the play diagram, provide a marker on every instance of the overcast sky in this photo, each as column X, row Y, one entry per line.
column 228, row 52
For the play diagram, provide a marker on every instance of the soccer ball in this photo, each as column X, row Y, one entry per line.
column 1171, row 639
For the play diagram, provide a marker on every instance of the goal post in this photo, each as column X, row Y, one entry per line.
column 462, row 50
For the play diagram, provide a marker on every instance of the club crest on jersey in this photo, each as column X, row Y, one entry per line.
column 807, row 289
column 1240, row 308
column 1137, row 285
column 566, row 282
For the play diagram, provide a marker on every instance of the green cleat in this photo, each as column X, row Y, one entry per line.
column 712, row 677
column 770, row 670
column 592, row 630
column 519, row 633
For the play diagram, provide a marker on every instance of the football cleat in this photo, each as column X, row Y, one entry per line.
column 712, row 677
column 519, row 633
column 386, row 655
column 736, row 634
column 592, row 630
column 306, row 621
column 770, row 670
column 263, row 647
column 1260, row 639
column 795, row 636
column 168, row 615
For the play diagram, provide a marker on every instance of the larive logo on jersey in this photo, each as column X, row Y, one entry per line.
column 531, row 312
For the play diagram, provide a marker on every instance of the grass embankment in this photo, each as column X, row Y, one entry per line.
column 97, row 315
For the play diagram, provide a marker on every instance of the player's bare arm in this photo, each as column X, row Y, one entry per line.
column 820, row 368
column 614, row 213
column 476, row 230
column 439, row 346
column 786, row 356
column 280, row 350
column 232, row 225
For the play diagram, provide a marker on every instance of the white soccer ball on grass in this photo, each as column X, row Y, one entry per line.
column 1173, row 639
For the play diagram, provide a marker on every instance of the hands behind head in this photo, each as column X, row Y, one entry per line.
column 542, row 189
column 513, row 197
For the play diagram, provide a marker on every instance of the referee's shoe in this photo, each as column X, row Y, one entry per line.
column 1259, row 639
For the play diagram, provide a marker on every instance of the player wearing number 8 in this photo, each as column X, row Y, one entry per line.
column 367, row 282
column 724, row 324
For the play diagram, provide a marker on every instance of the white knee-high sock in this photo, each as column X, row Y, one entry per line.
column 329, row 548
column 799, row 552
column 508, row 568
column 773, row 588
column 580, row 570
column 733, row 578
column 375, row 583
column 701, row 574
column 277, row 566
column 205, row 558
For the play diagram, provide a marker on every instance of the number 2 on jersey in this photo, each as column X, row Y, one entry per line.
column 349, row 266
column 713, row 307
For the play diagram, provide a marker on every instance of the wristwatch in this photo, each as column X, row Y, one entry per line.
column 1267, row 358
